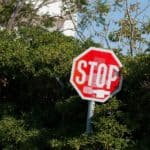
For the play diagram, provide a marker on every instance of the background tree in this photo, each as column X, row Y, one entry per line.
column 131, row 31
column 116, row 22
column 15, row 13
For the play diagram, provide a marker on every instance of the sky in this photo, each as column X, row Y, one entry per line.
column 114, row 16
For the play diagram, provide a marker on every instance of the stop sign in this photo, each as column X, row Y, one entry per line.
column 96, row 74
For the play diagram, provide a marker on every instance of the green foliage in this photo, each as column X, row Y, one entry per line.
column 147, row 27
column 30, row 60
column 47, row 21
column 90, row 42
column 94, row 14
column 131, row 32
column 126, row 30
column 13, row 134
column 136, row 97
column 40, row 110
column 111, row 133
column 42, row 47
column 38, row 107
column 102, row 7
column 82, row 2
column 14, row 13
column 114, row 36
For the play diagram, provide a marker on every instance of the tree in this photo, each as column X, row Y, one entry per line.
column 33, row 64
column 116, row 22
column 16, row 13
column 130, row 26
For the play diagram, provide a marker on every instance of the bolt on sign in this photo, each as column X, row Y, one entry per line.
column 96, row 74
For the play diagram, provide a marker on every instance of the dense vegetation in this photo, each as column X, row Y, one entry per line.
column 40, row 110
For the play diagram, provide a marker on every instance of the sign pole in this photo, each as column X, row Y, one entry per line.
column 90, row 113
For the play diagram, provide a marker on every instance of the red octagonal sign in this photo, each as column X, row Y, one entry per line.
column 96, row 74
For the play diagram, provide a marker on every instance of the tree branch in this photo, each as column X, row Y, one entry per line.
column 131, row 28
column 15, row 13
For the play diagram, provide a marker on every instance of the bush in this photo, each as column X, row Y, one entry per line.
column 40, row 110
column 13, row 134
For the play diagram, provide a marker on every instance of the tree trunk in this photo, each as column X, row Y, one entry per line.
column 18, row 7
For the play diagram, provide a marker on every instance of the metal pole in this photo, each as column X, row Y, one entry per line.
column 90, row 113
